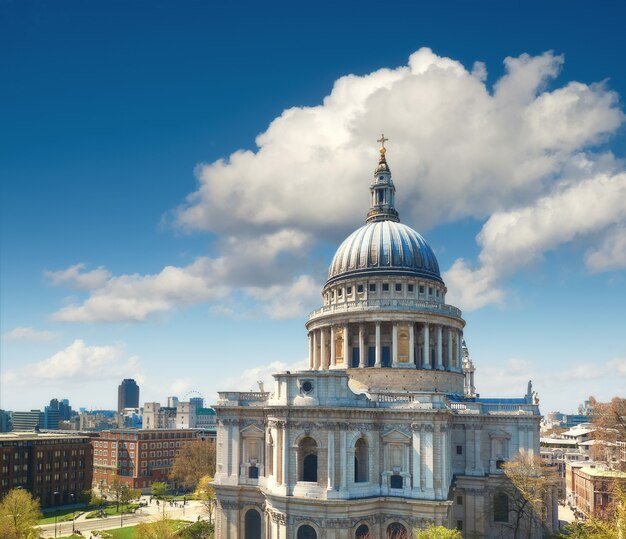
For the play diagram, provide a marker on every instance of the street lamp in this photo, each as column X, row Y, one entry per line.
column 55, row 493
column 73, row 496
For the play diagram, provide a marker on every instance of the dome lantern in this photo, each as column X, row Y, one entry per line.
column 383, row 191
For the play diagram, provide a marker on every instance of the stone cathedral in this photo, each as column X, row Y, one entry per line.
column 384, row 433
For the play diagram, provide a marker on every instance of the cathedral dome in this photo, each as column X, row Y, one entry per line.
column 387, row 247
column 384, row 246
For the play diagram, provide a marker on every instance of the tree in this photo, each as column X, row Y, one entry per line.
column 530, row 487
column 19, row 514
column 159, row 489
column 437, row 532
column 610, row 420
column 198, row 530
column 206, row 494
column 122, row 493
column 195, row 460
column 161, row 529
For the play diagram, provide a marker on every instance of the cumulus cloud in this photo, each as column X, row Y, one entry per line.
column 517, row 155
column 76, row 277
column 21, row 333
column 513, row 239
column 250, row 378
column 76, row 362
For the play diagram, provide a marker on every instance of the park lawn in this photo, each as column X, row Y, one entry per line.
column 62, row 515
column 111, row 510
column 129, row 532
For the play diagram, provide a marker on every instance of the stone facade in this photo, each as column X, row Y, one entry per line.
column 384, row 432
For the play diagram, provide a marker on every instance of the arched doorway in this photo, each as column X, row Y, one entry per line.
column 362, row 532
column 395, row 530
column 252, row 525
column 306, row 532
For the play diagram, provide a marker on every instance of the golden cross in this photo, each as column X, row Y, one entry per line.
column 382, row 141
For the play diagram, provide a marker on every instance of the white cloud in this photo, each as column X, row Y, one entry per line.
column 21, row 333
column 76, row 363
column 611, row 254
column 249, row 378
column 76, row 277
column 180, row 386
column 516, row 155
column 514, row 239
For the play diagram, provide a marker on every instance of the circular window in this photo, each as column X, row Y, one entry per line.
column 307, row 386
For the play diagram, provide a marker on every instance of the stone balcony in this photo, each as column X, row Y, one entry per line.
column 368, row 305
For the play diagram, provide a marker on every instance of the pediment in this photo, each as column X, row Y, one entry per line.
column 396, row 435
column 499, row 433
column 252, row 430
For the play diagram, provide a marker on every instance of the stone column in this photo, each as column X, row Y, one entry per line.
column 333, row 357
column 417, row 458
column 285, row 455
column 346, row 348
column 394, row 344
column 362, row 357
column 378, row 350
column 427, row 459
column 449, row 358
column 412, row 344
column 439, row 347
column 331, row 460
column 344, row 464
column 478, row 464
column 275, row 454
column 323, row 355
column 310, row 350
column 234, row 470
column 314, row 363
column 426, row 353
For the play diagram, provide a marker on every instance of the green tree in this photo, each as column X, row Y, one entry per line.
column 195, row 460
column 159, row 489
column 198, row 530
column 437, row 532
column 206, row 494
column 161, row 529
column 19, row 514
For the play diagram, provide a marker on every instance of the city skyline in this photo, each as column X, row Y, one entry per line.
column 175, row 188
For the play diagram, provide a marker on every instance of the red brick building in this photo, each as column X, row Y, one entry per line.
column 56, row 468
column 137, row 457
column 592, row 488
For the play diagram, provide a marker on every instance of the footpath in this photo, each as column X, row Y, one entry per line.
column 153, row 510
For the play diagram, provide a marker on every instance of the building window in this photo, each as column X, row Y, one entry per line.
column 459, row 500
column 421, row 289
column 307, row 460
column 361, row 465
column 411, row 288
column 459, row 449
column 253, row 472
column 372, row 287
column 359, row 288
column 395, row 530
column 349, row 290
column 252, row 524
column 306, row 532
column 430, row 290
column 385, row 287
column 362, row 532
column 501, row 507
column 459, row 525
column 398, row 287
column 395, row 481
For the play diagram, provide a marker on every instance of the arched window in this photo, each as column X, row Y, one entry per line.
column 307, row 460
column 252, row 525
column 361, row 464
column 362, row 532
column 306, row 532
column 395, row 530
column 501, row 507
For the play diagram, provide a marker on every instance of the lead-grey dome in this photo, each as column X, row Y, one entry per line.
column 387, row 247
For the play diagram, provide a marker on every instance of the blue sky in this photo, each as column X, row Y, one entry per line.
column 177, row 175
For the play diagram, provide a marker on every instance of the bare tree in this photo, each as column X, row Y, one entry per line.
column 195, row 460
column 610, row 420
column 530, row 486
